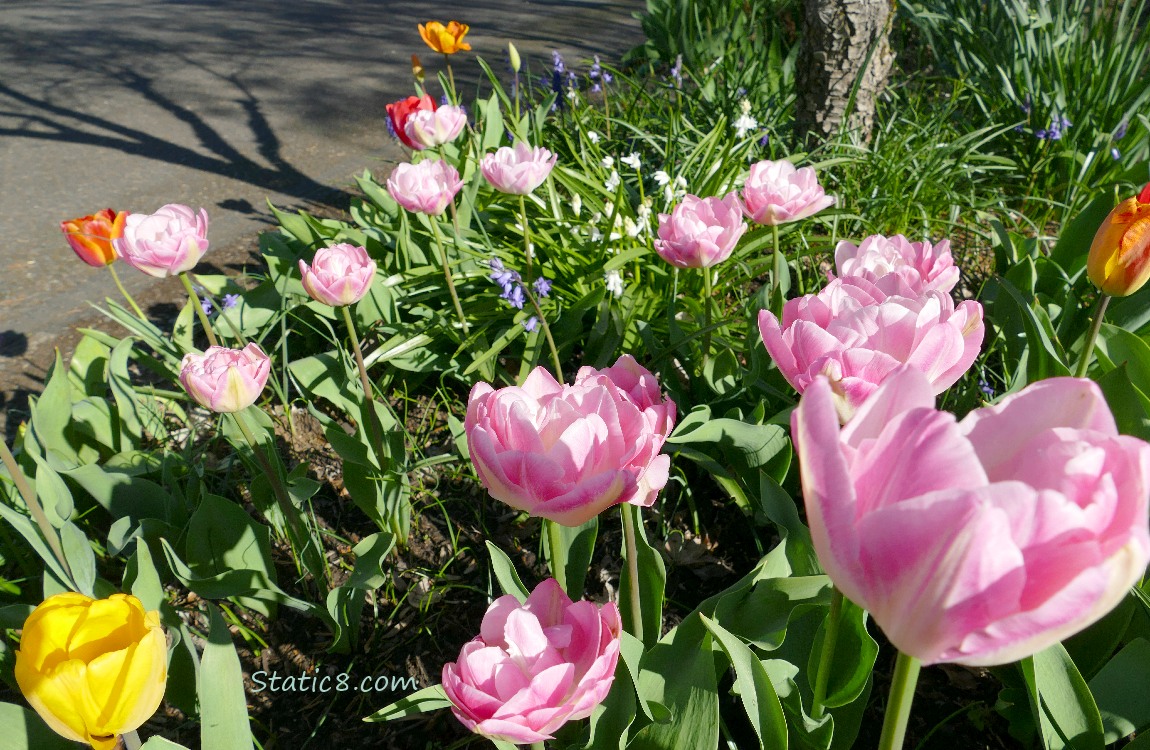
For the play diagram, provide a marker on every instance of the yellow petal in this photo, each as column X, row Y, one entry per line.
column 59, row 698
column 107, row 627
column 47, row 630
column 129, row 685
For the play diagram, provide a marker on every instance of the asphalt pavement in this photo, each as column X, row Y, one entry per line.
column 224, row 104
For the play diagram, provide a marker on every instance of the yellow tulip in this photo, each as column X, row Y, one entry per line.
column 93, row 668
column 1119, row 260
column 446, row 39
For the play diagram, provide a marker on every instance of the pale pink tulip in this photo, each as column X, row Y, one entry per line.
column 426, row 187
column 776, row 193
column 535, row 666
column 428, row 128
column 569, row 452
column 857, row 335
column 339, row 275
column 700, row 232
column 518, row 170
column 225, row 380
column 983, row 541
column 165, row 243
column 921, row 266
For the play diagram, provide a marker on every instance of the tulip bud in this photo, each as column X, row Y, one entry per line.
column 417, row 68
column 90, row 237
column 1119, row 260
column 225, row 380
column 514, row 55
column 93, row 669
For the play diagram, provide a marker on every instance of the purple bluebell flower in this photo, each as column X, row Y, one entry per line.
column 514, row 296
column 531, row 324
column 542, row 286
column 510, row 282
column 765, row 140
column 1040, row 134
column 557, row 62
column 985, row 388
column 1025, row 106
column 677, row 72
column 230, row 301
column 391, row 128
column 1018, row 128
column 206, row 305
column 1065, row 122
column 1115, row 154
column 607, row 77
column 1120, row 131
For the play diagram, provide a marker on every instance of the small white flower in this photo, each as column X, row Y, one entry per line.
column 596, row 217
column 608, row 161
column 576, row 204
column 643, row 212
column 668, row 194
column 632, row 161
column 662, row 178
column 614, row 283
column 612, row 181
column 744, row 125
column 680, row 183
column 631, row 227
column 592, row 136
column 596, row 235
column 571, row 94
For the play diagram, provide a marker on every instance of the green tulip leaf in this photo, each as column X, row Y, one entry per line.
column 223, row 703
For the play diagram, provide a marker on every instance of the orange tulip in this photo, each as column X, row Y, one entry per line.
column 446, row 39
column 91, row 236
column 1119, row 260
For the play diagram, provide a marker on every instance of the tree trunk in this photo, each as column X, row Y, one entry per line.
column 839, row 37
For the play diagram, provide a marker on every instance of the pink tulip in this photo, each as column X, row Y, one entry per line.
column 700, row 232
column 225, row 380
column 855, row 334
column 776, row 193
column 165, row 243
column 535, row 666
column 428, row 128
column 983, row 541
column 919, row 265
column 519, row 170
column 569, row 452
column 339, row 275
column 426, row 187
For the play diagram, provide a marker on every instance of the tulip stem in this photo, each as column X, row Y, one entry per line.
column 555, row 361
column 826, row 659
column 775, row 268
column 124, row 292
column 199, row 309
column 450, row 77
column 902, row 686
column 34, row 507
column 447, row 274
column 556, row 560
column 628, row 516
column 526, row 235
column 369, row 398
column 131, row 740
column 538, row 746
column 706, row 314
column 1088, row 348
column 299, row 539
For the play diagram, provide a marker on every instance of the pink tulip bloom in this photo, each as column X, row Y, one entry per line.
column 569, row 452
column 426, row 187
column 165, row 243
column 534, row 666
column 519, row 170
column 339, row 275
column 776, row 193
column 977, row 542
column 700, row 232
column 225, row 380
column 919, row 265
column 428, row 128
column 857, row 335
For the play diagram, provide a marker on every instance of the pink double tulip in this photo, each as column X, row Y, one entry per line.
column 569, row 452
column 700, row 232
column 426, row 187
column 428, row 128
column 919, row 265
column 518, row 170
column 339, row 275
column 534, row 666
column 857, row 335
column 776, row 193
column 225, row 380
column 983, row 541
column 165, row 243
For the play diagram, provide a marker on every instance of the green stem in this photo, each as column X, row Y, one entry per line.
column 1088, row 349
column 119, row 285
column 300, row 540
column 902, row 685
column 369, row 398
column 34, row 507
column 451, row 77
column 774, row 261
column 538, row 746
column 131, row 740
column 628, row 516
column 831, row 636
column 199, row 309
column 706, row 314
column 556, row 560
column 555, row 361
column 526, row 235
column 447, row 274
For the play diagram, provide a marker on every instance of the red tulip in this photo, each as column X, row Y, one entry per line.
column 398, row 112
